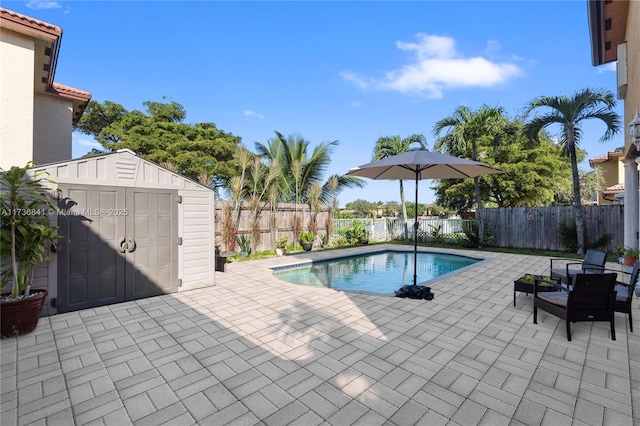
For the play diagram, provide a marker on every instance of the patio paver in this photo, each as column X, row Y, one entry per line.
column 254, row 350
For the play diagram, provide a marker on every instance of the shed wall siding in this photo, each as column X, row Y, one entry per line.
column 196, row 223
column 197, row 252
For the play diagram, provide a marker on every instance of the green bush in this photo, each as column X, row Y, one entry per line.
column 435, row 235
column 356, row 233
column 568, row 235
column 470, row 230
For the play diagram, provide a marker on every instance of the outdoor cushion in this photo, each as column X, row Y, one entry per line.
column 623, row 292
column 593, row 262
column 562, row 273
column 557, row 298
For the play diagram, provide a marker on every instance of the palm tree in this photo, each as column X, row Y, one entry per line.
column 463, row 130
column 387, row 146
column 569, row 112
column 303, row 167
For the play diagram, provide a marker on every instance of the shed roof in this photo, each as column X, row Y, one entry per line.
column 120, row 168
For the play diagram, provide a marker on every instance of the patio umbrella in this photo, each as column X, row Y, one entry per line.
column 421, row 164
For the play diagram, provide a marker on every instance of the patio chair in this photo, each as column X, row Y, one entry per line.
column 594, row 261
column 592, row 298
column 624, row 292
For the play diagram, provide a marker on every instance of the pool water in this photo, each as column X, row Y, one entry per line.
column 381, row 273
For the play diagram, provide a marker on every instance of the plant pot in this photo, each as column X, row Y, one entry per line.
column 307, row 246
column 20, row 316
column 279, row 251
column 244, row 253
column 629, row 260
column 220, row 262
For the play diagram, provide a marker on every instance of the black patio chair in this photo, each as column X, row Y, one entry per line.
column 591, row 298
column 625, row 291
column 594, row 261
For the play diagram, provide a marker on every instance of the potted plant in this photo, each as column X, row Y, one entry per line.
column 281, row 246
column 245, row 245
column 325, row 241
column 25, row 235
column 306, row 240
column 629, row 254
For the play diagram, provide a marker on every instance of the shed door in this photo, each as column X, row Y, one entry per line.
column 152, row 221
column 94, row 269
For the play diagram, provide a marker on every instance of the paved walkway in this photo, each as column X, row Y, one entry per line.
column 253, row 350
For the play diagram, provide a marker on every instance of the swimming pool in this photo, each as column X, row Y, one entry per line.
column 380, row 273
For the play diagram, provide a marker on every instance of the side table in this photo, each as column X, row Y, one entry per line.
column 524, row 284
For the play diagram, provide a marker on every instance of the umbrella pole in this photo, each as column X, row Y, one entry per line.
column 415, row 237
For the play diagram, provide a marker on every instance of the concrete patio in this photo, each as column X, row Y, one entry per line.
column 254, row 350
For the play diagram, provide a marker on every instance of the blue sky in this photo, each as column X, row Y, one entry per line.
column 346, row 71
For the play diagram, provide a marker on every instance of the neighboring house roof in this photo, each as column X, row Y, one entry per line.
column 615, row 189
column 47, row 45
column 607, row 28
column 618, row 152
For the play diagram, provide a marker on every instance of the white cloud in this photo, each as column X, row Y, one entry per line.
column 356, row 104
column 611, row 66
column 43, row 4
column 436, row 67
column 250, row 114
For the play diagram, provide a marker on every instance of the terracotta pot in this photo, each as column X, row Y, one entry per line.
column 629, row 260
column 20, row 316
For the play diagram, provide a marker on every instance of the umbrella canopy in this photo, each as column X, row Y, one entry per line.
column 421, row 164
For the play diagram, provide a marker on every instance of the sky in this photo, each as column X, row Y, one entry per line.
column 328, row 70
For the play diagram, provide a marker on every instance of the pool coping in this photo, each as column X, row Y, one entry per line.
column 379, row 248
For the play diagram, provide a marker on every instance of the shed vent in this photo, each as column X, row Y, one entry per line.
column 126, row 169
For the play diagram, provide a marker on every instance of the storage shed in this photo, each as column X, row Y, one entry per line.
column 131, row 229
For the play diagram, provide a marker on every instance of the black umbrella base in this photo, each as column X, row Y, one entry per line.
column 415, row 292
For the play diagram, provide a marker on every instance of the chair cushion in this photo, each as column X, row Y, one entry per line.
column 562, row 272
column 557, row 298
column 623, row 293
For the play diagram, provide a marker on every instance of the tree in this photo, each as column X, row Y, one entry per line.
column 387, row 146
column 569, row 113
column 361, row 208
column 411, row 209
column 591, row 184
column 533, row 172
column 302, row 167
column 462, row 131
column 159, row 135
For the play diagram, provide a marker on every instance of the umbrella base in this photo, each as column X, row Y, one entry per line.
column 415, row 292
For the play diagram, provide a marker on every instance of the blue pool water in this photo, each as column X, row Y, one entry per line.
column 381, row 273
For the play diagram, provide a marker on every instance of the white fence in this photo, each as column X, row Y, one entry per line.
column 390, row 228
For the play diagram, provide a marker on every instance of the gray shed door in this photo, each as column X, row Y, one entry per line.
column 120, row 244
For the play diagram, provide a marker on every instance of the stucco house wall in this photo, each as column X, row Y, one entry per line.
column 36, row 113
column 52, row 129
column 632, row 100
column 613, row 23
column 17, row 101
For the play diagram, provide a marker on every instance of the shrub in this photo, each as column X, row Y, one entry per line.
column 568, row 235
column 470, row 230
